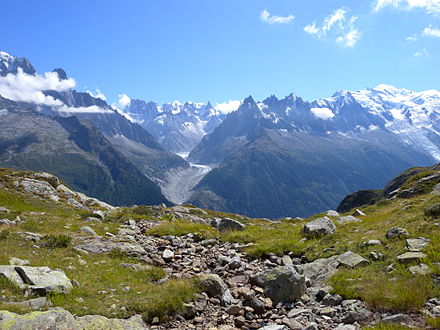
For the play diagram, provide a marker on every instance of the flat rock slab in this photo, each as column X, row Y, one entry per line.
column 103, row 245
column 348, row 219
column 420, row 269
column 59, row 318
column 417, row 244
column 42, row 280
column 351, row 260
column 410, row 257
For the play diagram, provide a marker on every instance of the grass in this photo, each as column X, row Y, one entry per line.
column 386, row 326
column 277, row 238
column 433, row 322
column 182, row 227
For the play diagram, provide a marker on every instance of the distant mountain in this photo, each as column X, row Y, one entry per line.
column 139, row 148
column 74, row 150
column 293, row 158
column 178, row 127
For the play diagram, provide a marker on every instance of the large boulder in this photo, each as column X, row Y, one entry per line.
column 411, row 257
column 41, row 280
column 319, row 227
column 417, row 244
column 281, row 284
column 40, row 188
column 396, row 232
column 347, row 219
column 226, row 224
column 320, row 270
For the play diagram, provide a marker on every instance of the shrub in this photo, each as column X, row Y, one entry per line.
column 56, row 241
column 4, row 234
column 433, row 210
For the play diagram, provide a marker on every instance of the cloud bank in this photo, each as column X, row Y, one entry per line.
column 228, row 107
column 430, row 6
column 322, row 113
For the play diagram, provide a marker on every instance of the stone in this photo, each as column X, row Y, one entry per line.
column 346, row 327
column 7, row 222
column 320, row 270
column 227, row 224
column 417, row 244
column 98, row 214
column 373, row 242
column 397, row 319
column 100, row 322
column 292, row 324
column 332, row 213
column 49, row 178
column 420, row 269
column 4, row 210
column 239, row 321
column 298, row 311
column 286, row 261
column 311, row 326
column 257, row 305
column 358, row 213
column 396, row 232
column 41, row 280
column 18, row 262
column 88, row 231
column 52, row 319
column 281, row 284
column 234, row 310
column 332, row 299
column 328, row 311
column 167, row 255
column 208, row 242
column 39, row 188
column 319, row 227
column 351, row 260
column 92, row 219
column 227, row 299
column 213, row 285
column 36, row 303
column 348, row 219
column 410, row 257
column 274, row 327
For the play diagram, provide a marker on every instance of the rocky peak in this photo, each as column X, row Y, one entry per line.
column 62, row 75
column 12, row 64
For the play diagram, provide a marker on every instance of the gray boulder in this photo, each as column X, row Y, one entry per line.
column 420, row 269
column 319, row 227
column 281, row 284
column 347, row 219
column 320, row 270
column 41, row 280
column 226, row 224
column 88, row 231
column 396, row 232
column 213, row 285
column 332, row 213
column 4, row 210
column 397, row 319
column 358, row 213
column 351, row 260
column 417, row 244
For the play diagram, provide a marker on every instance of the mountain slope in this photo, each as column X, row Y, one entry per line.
column 75, row 151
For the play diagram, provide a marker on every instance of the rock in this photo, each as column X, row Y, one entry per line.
column 332, row 299
column 49, row 178
column 213, row 285
column 7, row 222
column 88, row 231
column 52, row 319
column 320, row 270
column 227, row 299
column 397, row 318
column 98, row 214
column 234, row 263
column 167, row 255
column 292, row 324
column 4, row 210
column 252, row 301
column 281, row 284
column 286, row 261
column 351, row 260
column 18, row 262
column 332, row 213
column 358, row 213
column 239, row 321
column 39, row 188
column 328, row 311
column 226, row 224
column 396, row 232
column 417, row 244
column 420, row 269
column 376, row 256
column 208, row 242
column 410, row 257
column 298, row 311
column 234, row 310
column 41, row 280
column 319, row 227
column 347, row 327
column 372, row 242
column 36, row 303
column 274, row 327
column 348, row 219
column 311, row 326
column 89, row 322
column 92, row 219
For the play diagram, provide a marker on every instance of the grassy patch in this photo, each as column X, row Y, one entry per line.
column 56, row 241
column 386, row 326
column 182, row 227
column 276, row 238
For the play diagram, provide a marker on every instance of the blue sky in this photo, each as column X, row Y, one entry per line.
column 224, row 50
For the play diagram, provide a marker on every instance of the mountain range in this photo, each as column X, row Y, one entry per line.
column 274, row 158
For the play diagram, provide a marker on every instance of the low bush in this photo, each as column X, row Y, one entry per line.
column 56, row 241
column 433, row 210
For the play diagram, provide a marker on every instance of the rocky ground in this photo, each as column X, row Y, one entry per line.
column 237, row 290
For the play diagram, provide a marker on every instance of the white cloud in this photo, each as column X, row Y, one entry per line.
column 338, row 26
column 411, row 38
column 228, row 107
column 431, row 31
column 421, row 53
column 322, row 113
column 97, row 94
column 91, row 109
column 23, row 87
column 430, row 6
column 123, row 101
column 266, row 17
